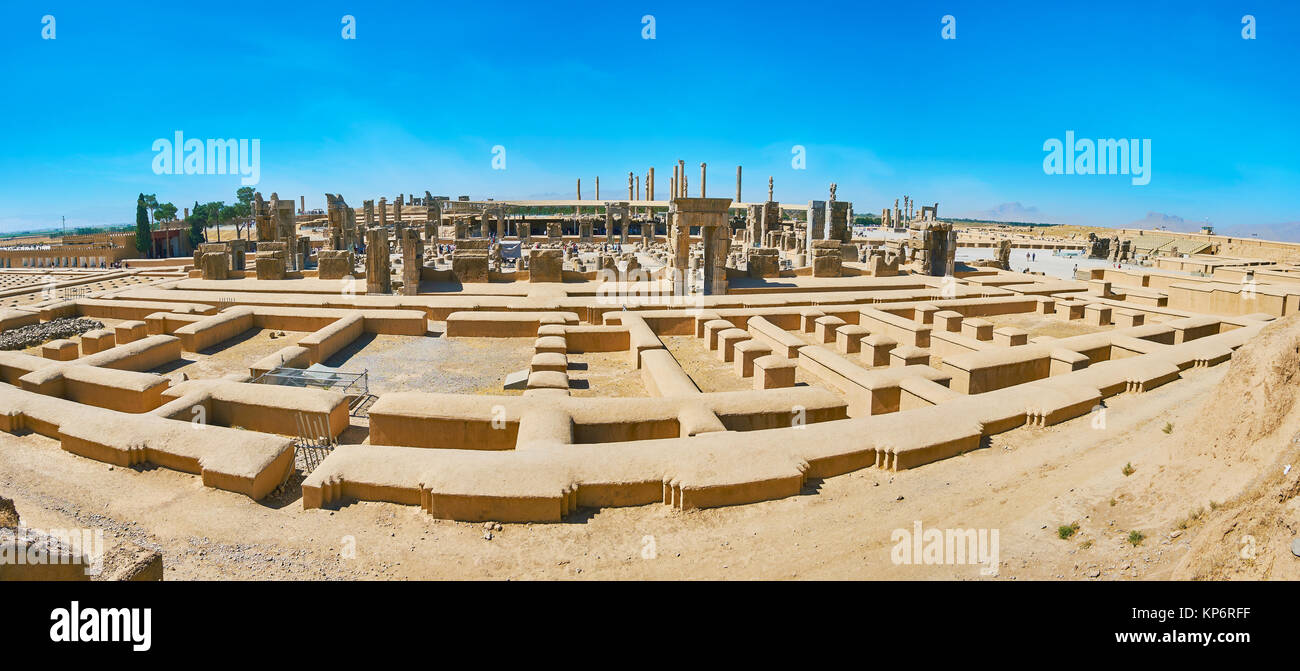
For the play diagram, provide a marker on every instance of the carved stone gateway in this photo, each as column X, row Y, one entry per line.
column 622, row 214
column 710, row 215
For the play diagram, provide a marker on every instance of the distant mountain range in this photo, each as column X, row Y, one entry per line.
column 1285, row 232
column 1017, row 213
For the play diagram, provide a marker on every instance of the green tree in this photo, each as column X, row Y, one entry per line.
column 165, row 212
column 143, row 242
column 198, row 220
column 151, row 202
column 243, row 210
column 214, row 214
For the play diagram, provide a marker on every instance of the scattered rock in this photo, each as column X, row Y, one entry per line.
column 39, row 334
column 131, row 562
column 8, row 513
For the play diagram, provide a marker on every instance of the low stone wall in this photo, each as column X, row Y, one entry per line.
column 456, row 421
column 324, row 343
column 782, row 342
column 121, row 390
column 504, row 324
column 869, row 392
column 245, row 462
column 905, row 331
column 265, row 407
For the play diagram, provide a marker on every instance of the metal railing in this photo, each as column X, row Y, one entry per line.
column 355, row 386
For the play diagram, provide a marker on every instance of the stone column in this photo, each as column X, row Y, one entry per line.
column 412, row 261
column 650, row 184
column 754, row 225
column 397, row 211
column 432, row 218
column 771, row 220
column 383, row 213
column 738, row 200
column 816, row 227
column 378, row 273
column 680, row 236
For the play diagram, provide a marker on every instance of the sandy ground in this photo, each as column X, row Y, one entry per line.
column 1045, row 325
column 436, row 363
column 604, row 374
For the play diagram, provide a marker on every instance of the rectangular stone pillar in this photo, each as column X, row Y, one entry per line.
column 816, row 229
column 754, row 225
column 412, row 261
column 838, row 221
column 771, row 219
column 378, row 273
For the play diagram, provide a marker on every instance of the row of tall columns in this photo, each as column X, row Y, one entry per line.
column 54, row 262
column 678, row 184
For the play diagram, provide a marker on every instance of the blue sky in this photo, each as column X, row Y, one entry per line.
column 883, row 105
